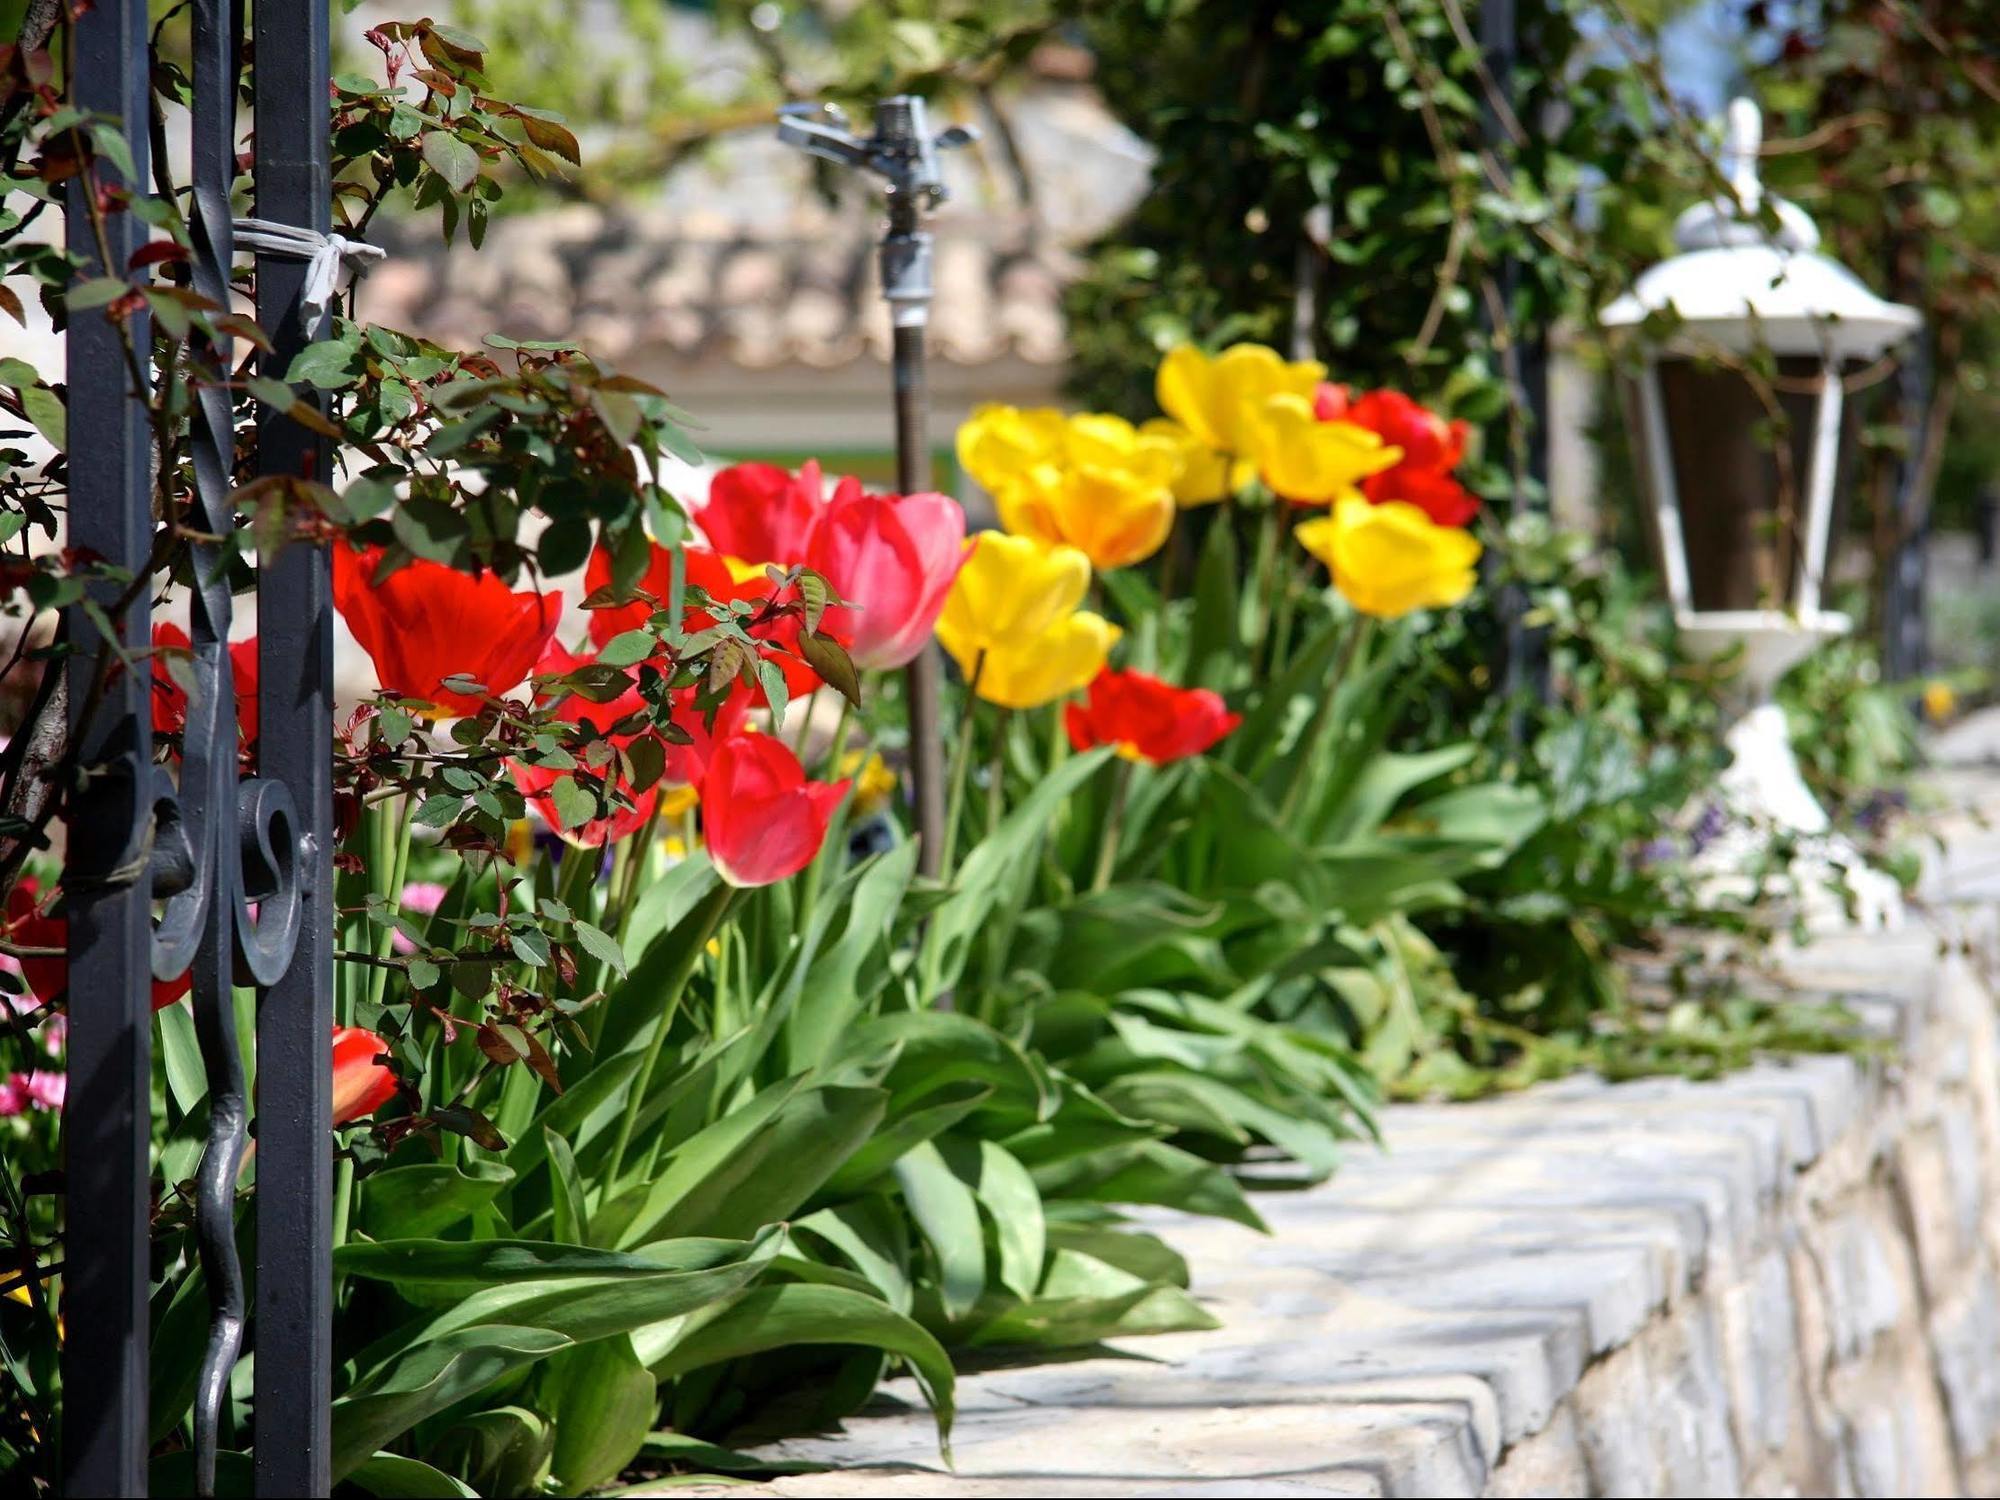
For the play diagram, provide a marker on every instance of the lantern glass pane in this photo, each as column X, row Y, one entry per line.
column 1742, row 509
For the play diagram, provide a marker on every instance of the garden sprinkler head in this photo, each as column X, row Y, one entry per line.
column 902, row 152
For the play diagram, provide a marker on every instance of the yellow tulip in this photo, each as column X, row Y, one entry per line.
column 675, row 801
column 1061, row 660
column 1390, row 559
column 998, row 444
column 1098, row 440
column 874, row 782
column 1218, row 399
column 1011, row 589
column 1311, row 462
column 1940, row 701
column 1207, row 475
column 1114, row 516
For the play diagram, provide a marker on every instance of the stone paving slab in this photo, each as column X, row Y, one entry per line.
column 1778, row 1282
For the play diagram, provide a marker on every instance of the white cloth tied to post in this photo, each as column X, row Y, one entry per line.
column 324, row 255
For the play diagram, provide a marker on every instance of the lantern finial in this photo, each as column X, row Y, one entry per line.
column 1739, row 153
column 1742, row 215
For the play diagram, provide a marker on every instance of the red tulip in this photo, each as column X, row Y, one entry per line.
column 1432, row 448
column 361, row 1085
column 896, row 557
column 170, row 699
column 759, row 513
column 701, row 569
column 427, row 622
column 1437, row 495
column 762, row 819
column 1147, row 719
column 30, row 925
column 1428, row 441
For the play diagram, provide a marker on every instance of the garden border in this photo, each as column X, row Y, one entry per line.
column 1788, row 1283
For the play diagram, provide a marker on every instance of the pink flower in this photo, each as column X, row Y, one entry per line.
column 422, row 897
column 55, row 1032
column 13, row 1095
column 762, row 819
column 46, row 1090
column 896, row 557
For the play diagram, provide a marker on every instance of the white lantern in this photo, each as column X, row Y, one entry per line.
column 1743, row 517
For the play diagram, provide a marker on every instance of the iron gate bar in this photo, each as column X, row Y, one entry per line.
column 107, row 1124
column 294, row 1323
column 239, row 832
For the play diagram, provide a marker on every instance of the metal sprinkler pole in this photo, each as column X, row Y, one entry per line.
column 903, row 153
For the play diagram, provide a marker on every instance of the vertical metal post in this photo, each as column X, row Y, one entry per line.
column 904, row 154
column 107, row 1120
column 294, row 1315
column 906, row 259
column 1526, row 362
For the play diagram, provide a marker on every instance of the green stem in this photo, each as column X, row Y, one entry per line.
column 1284, row 577
column 996, row 771
column 961, row 763
column 1114, row 827
column 399, row 867
column 343, row 1198
column 836, row 827
column 1260, row 586
column 1309, row 746
column 706, row 918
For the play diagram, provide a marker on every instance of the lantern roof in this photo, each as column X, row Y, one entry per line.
column 1742, row 282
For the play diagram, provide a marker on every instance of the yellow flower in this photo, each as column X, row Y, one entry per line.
column 1218, row 399
column 1098, row 440
column 676, row 800
column 1311, row 462
column 1011, row 589
column 874, row 782
column 1207, row 475
column 743, row 571
column 1060, row 661
column 999, row 443
column 520, row 841
column 1114, row 516
column 1939, row 701
column 1389, row 559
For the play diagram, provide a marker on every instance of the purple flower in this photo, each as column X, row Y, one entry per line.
column 1658, row 851
column 1708, row 827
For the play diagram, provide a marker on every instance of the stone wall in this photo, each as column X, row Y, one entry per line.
column 1845, row 1338
column 1783, row 1281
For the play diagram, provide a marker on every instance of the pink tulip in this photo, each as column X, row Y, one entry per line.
column 47, row 1090
column 13, row 1095
column 421, row 898
column 896, row 557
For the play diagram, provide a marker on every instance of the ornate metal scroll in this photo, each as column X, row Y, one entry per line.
column 243, row 872
column 226, row 845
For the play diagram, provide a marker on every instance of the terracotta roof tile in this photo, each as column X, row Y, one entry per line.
column 693, row 287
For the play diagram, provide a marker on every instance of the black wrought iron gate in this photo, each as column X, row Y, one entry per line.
column 242, row 863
